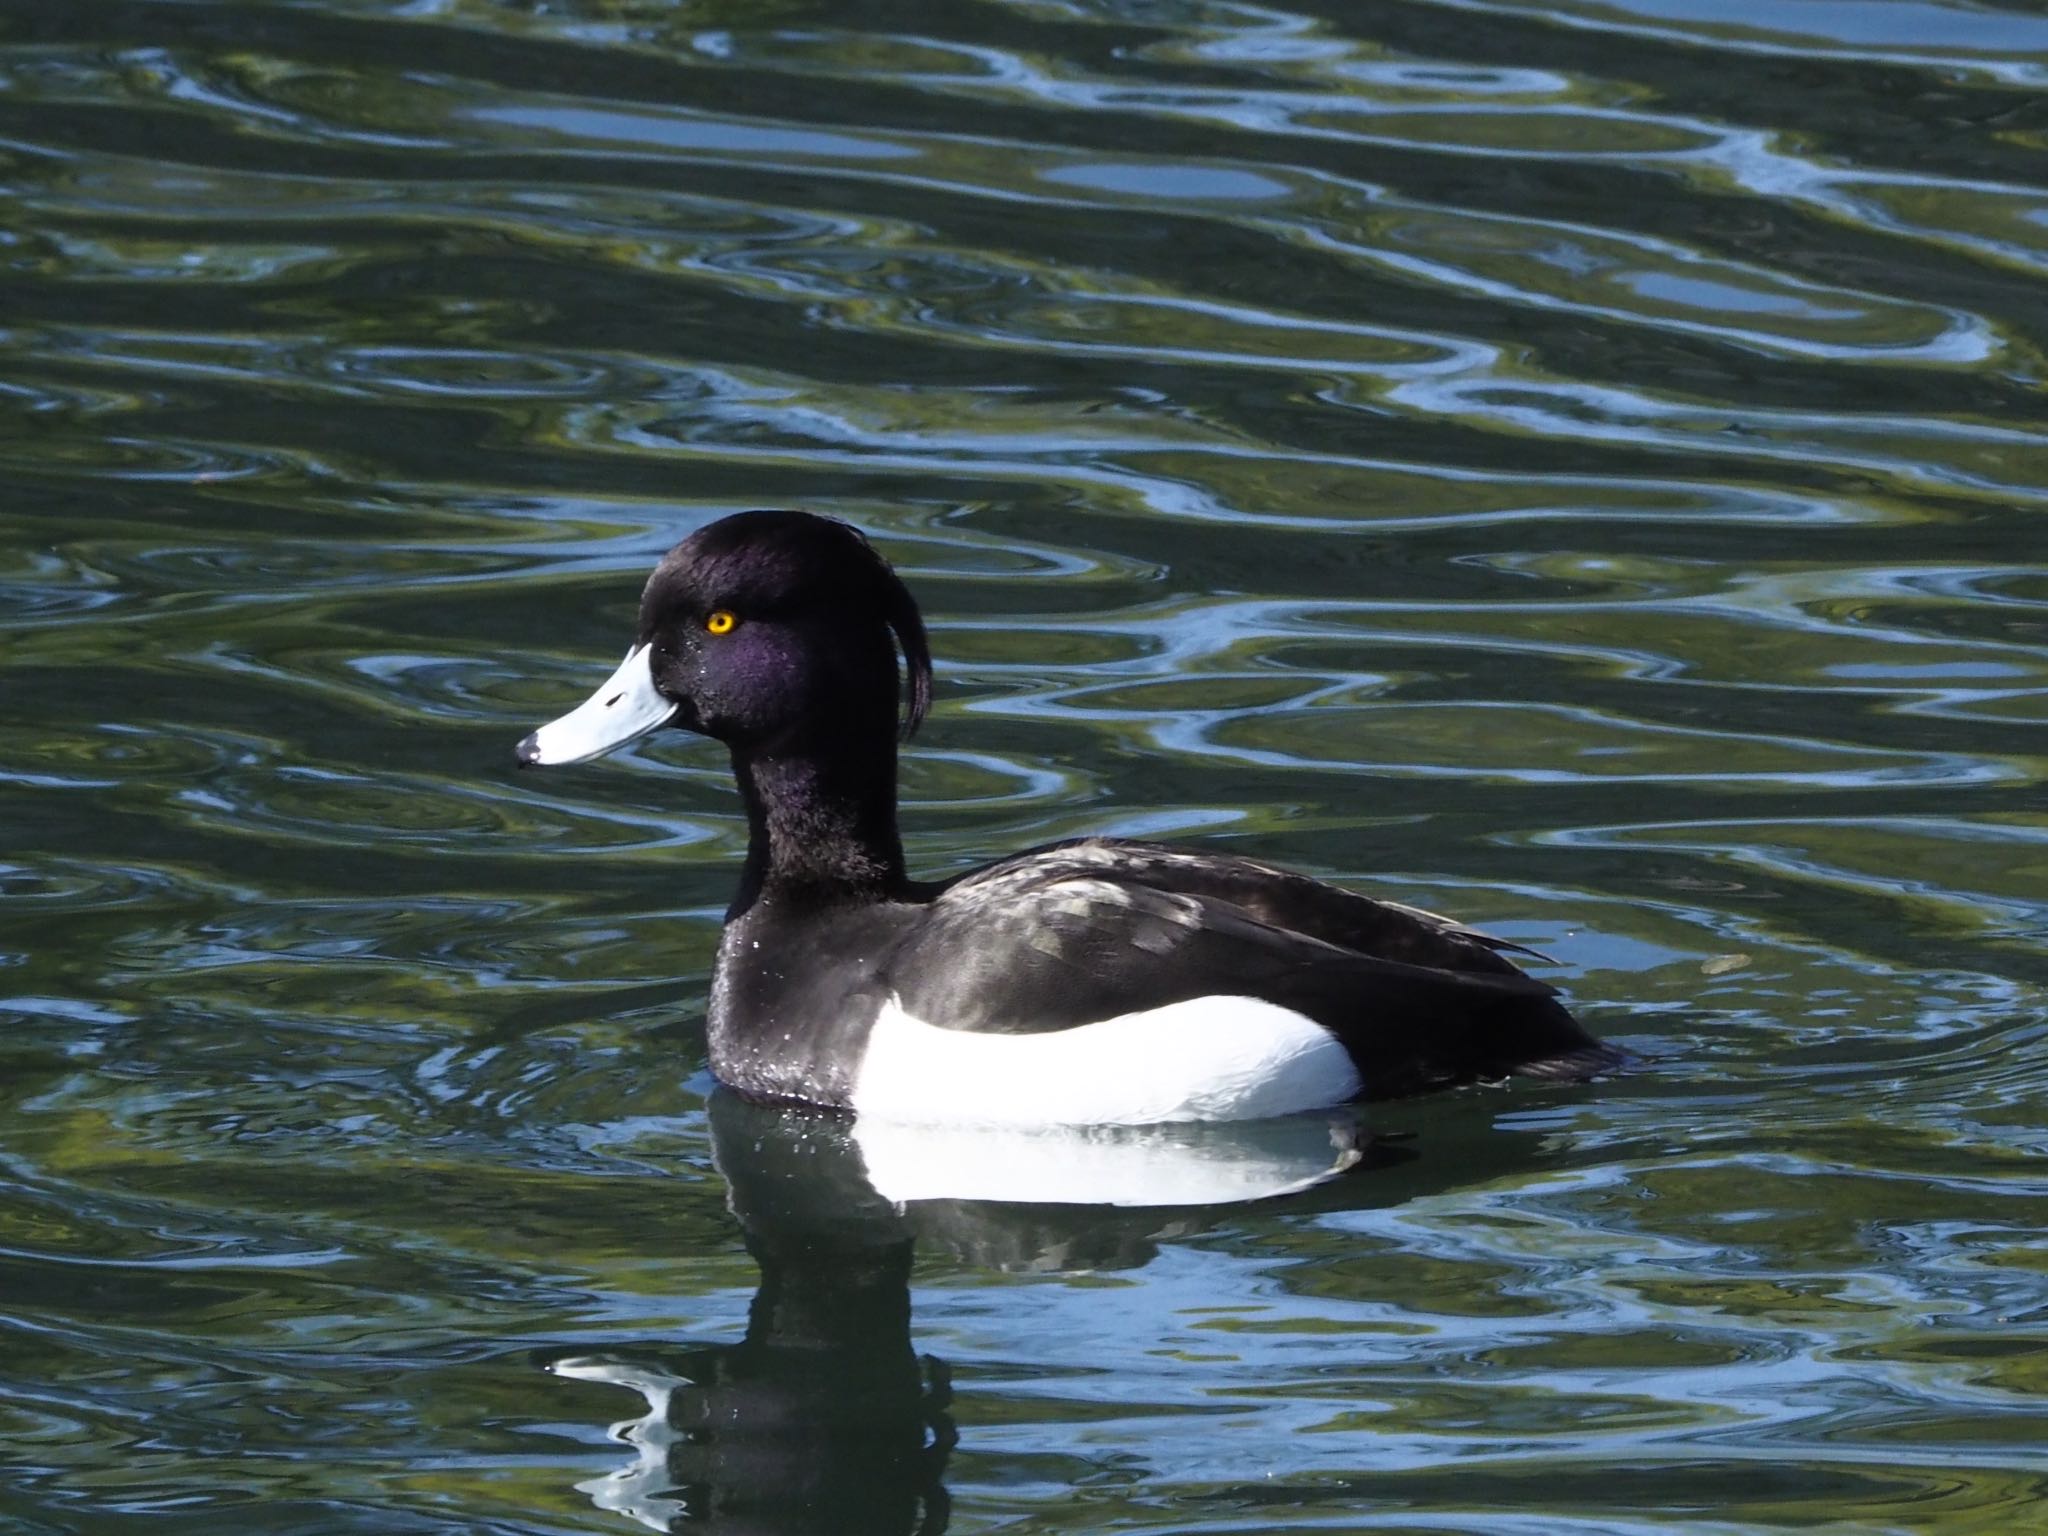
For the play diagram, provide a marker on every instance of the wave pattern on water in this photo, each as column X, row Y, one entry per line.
column 1579, row 466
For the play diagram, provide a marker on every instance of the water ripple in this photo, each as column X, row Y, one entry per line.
column 1575, row 467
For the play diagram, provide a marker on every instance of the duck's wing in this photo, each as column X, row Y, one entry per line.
column 1295, row 902
column 1064, row 937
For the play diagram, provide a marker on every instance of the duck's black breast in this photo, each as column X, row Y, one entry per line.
column 796, row 993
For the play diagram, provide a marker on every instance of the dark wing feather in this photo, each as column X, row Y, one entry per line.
column 1281, row 898
column 1070, row 934
column 1300, row 904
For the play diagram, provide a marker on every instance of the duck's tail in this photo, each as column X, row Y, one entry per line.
column 1580, row 1064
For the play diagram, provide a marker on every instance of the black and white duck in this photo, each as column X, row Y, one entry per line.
column 1102, row 981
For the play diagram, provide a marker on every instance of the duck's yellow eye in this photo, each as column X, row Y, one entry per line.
column 722, row 621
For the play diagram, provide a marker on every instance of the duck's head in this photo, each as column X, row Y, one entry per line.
column 765, row 630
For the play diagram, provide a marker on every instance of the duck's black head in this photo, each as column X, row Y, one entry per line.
column 767, row 630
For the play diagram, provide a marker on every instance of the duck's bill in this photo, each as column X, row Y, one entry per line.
column 626, row 708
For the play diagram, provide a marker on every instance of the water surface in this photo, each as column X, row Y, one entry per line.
column 1577, row 466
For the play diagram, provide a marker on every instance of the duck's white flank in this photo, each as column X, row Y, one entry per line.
column 1209, row 1058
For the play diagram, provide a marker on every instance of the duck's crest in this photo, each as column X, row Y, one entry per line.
column 800, row 560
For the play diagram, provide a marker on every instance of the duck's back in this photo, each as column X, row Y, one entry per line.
column 1173, row 943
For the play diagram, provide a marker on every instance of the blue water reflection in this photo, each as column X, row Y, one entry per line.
column 1574, row 466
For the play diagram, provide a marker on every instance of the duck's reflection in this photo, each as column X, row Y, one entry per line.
column 825, row 1418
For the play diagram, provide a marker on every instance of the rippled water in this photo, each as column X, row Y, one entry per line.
column 1577, row 465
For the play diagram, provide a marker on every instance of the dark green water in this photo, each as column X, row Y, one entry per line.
column 1580, row 466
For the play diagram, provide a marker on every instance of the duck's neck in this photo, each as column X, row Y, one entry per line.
column 821, row 825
